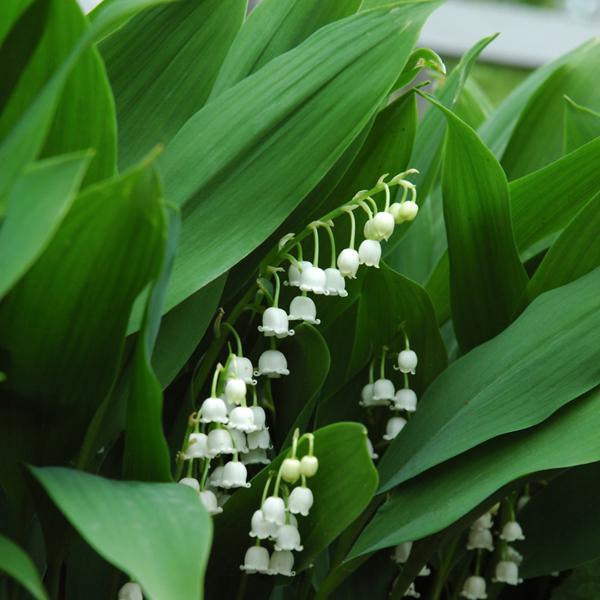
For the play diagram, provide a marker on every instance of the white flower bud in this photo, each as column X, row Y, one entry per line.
column 272, row 363
column 256, row 560
column 288, row 538
column 282, row 563
column 275, row 323
column 383, row 390
column 507, row 572
column 335, row 284
column 393, row 427
column 261, row 528
column 240, row 367
column 209, row 500
column 402, row 552
column 295, row 272
column 407, row 361
column 131, row 591
column 368, row 230
column 369, row 253
column 480, row 539
column 259, row 440
column 197, row 446
column 367, row 395
column 256, row 456
column 300, row 501
column 405, row 399
column 234, row 475
column 382, row 226
column 190, row 482
column 474, row 588
column 309, row 465
column 290, row 470
column 394, row 210
column 235, row 391
column 408, row 211
column 242, row 418
column 511, row 532
column 219, row 442
column 213, row 410
column 313, row 280
column 302, row 308
column 347, row 262
column 273, row 509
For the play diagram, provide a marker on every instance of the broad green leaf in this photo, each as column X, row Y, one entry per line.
column 473, row 106
column 512, row 382
column 581, row 125
column 487, row 278
column 86, row 93
column 15, row 563
column 274, row 27
column 562, row 523
column 62, row 326
column 583, row 583
column 537, row 140
column 433, row 501
column 37, row 205
column 270, row 138
column 343, row 459
column 178, row 47
column 158, row 533
column 575, row 253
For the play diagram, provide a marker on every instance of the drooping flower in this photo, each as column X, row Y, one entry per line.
column 480, row 539
column 209, row 500
column 290, row 470
column 131, row 591
column 507, row 572
column 234, row 475
column 402, row 552
column 382, row 226
column 371, row 450
column 240, row 367
column 295, row 272
column 191, row 483
column 474, row 588
column 275, row 323
column 260, row 417
column 239, row 440
column 411, row 592
column 261, row 528
column 405, row 399
column 288, row 538
column 302, row 308
column 335, row 283
column 213, row 410
column 219, row 442
column 485, row 521
column 197, row 446
column 273, row 509
column 259, row 440
column 300, row 501
column 369, row 253
column 282, row 563
column 511, row 532
column 313, row 279
column 256, row 456
column 407, row 361
column 256, row 560
column 383, row 391
column 242, row 418
column 393, row 427
column 348, row 262
column 235, row 390
column 272, row 363
column 309, row 465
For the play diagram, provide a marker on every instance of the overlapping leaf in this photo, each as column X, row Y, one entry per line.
column 15, row 563
column 582, row 125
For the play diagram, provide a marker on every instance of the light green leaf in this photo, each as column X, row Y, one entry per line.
column 158, row 533
column 581, row 125
column 438, row 498
column 487, row 278
column 178, row 47
column 274, row 27
column 246, row 156
column 37, row 205
column 15, row 563
column 512, row 382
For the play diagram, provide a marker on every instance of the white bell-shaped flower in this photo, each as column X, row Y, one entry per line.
column 383, row 390
column 402, row 552
column 219, row 442
column 507, row 572
column 513, row 555
column 213, row 410
column 485, row 521
column 240, row 367
column 408, row 211
column 235, row 391
column 295, row 272
column 369, row 231
column 261, row 528
column 290, row 470
column 367, row 395
column 369, row 253
column 282, row 563
column 197, row 446
column 131, row 591
column 474, row 588
column 382, row 226
column 272, row 363
column 480, row 539
column 407, row 361
column 242, row 418
column 259, row 440
column 405, row 399
column 371, row 450
column 523, row 501
column 335, row 283
column 309, row 465
column 288, row 538
column 256, row 456
column 302, row 308
column 275, row 323
column 411, row 592
column 191, row 482
column 256, row 560
column 393, row 427
column 260, row 417
column 424, row 572
column 239, row 440
column 209, row 501
column 234, row 475
column 348, row 262
column 215, row 479
column 300, row 501
column 313, row 280
column 511, row 532
column 273, row 509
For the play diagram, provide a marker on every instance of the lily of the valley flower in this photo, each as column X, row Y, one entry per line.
column 256, row 560
column 405, row 399
column 261, row 528
column 402, row 552
column 282, row 563
column 275, row 323
column 131, row 591
column 348, row 262
column 272, row 363
column 235, row 390
column 197, row 446
column 209, row 500
column 259, row 440
column 234, row 475
column 474, row 588
column 511, row 532
column 369, row 253
column 219, row 442
column 300, row 501
column 302, row 308
column 485, row 521
column 371, row 450
column 309, row 465
column 407, row 361
column 213, row 410
column 383, row 391
column 288, row 538
column 393, row 427
column 240, row 367
column 382, row 226
column 295, row 272
column 191, row 483
column 273, row 509
column 480, row 539
column 507, row 572
column 256, row 456
column 335, row 284
column 239, row 440
column 411, row 592
column 242, row 419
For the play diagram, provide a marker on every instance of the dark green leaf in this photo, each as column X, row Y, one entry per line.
column 15, row 563
column 582, row 584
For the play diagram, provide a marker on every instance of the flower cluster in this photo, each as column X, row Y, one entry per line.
column 275, row 520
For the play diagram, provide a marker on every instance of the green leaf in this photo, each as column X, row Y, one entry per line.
column 274, row 27
column 246, row 156
column 178, row 47
column 62, row 326
column 473, row 106
column 581, row 124
column 15, row 563
column 582, row 584
column 487, row 278
column 158, row 533
column 343, row 458
column 512, row 382
column 438, row 498
column 575, row 253
column 37, row 205
column 561, row 523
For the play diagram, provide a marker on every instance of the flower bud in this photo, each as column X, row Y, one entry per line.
column 407, row 361
column 383, row 226
column 347, row 262
column 369, row 253
column 309, row 465
column 290, row 470
column 300, row 501
column 408, row 210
